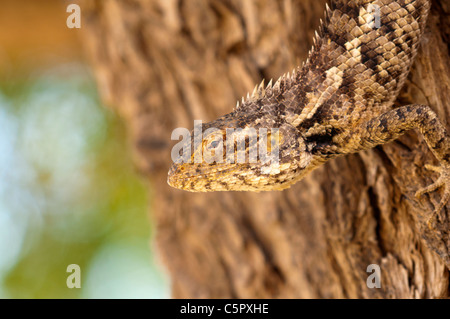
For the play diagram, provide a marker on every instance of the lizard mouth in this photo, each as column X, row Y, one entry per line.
column 203, row 178
column 226, row 178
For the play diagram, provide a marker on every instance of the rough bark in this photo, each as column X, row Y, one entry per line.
column 163, row 63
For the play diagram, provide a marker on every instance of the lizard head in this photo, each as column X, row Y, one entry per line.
column 240, row 153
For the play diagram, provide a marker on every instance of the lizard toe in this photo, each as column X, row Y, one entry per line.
column 430, row 188
column 443, row 181
column 441, row 206
column 434, row 168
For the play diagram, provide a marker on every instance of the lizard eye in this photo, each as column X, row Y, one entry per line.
column 213, row 144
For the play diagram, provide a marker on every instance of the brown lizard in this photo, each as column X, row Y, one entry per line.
column 339, row 102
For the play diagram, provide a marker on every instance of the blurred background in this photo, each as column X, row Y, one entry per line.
column 68, row 191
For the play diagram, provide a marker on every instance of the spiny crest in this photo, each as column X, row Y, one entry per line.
column 286, row 81
column 328, row 12
column 318, row 35
column 261, row 91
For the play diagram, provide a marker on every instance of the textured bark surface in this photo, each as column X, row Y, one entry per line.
column 163, row 63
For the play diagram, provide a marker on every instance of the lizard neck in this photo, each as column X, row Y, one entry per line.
column 360, row 59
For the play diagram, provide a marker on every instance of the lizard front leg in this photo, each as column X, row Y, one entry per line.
column 390, row 125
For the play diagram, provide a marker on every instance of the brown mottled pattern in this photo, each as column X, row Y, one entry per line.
column 338, row 102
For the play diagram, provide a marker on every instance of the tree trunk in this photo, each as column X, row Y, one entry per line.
column 163, row 63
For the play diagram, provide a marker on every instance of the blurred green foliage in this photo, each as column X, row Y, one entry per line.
column 69, row 194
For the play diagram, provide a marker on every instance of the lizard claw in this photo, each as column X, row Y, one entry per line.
column 443, row 181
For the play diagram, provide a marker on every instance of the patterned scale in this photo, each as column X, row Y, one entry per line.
column 356, row 63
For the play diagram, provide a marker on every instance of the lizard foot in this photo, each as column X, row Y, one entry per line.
column 443, row 181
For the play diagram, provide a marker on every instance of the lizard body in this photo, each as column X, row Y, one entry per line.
column 339, row 102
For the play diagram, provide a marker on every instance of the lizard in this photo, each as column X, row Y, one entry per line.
column 340, row 101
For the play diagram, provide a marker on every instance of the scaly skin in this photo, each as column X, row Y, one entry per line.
column 339, row 102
